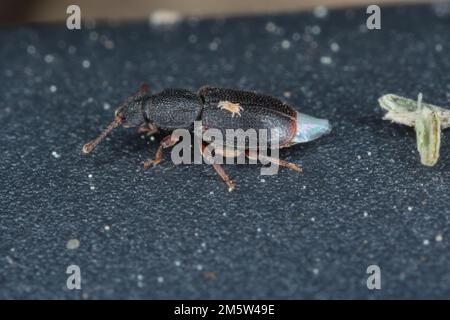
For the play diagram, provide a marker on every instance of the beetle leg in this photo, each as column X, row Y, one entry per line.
column 230, row 184
column 149, row 129
column 166, row 142
column 254, row 155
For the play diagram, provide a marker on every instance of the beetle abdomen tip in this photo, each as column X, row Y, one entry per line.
column 310, row 128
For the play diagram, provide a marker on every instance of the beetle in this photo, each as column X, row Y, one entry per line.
column 217, row 108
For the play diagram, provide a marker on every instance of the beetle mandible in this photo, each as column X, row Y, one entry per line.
column 217, row 108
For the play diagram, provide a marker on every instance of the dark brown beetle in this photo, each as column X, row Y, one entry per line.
column 217, row 108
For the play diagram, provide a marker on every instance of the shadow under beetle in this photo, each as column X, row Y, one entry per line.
column 217, row 108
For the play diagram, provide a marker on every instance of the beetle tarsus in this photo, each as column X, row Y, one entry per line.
column 291, row 166
column 167, row 142
column 154, row 162
column 230, row 184
column 279, row 162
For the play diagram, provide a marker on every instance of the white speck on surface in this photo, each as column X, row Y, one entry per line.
column 316, row 271
column 335, row 47
column 140, row 278
column 326, row 60
column 287, row 94
column 426, row 242
column 192, row 38
column 73, row 244
column 72, row 49
column 410, row 208
column 106, row 106
column 271, row 27
column 439, row 237
column 369, row 153
column 313, row 219
column 61, row 44
column 262, row 180
column 365, row 214
column 49, row 58
column 92, row 187
column 359, row 157
column 177, row 263
column 258, row 230
column 164, row 17
column 31, row 49
column 107, row 228
column 213, row 46
column 53, row 88
column 160, row 279
column 90, row 176
column 285, row 44
column 211, row 192
column 93, row 35
column 28, row 71
column 86, row 64
column 9, row 260
column 56, row 155
column 320, row 12
column 296, row 36
column 199, row 267
column 152, row 138
column 438, row 47
column 315, row 30
column 108, row 44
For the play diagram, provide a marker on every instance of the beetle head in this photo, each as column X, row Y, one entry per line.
column 131, row 113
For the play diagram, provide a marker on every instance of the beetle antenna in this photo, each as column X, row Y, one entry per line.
column 88, row 147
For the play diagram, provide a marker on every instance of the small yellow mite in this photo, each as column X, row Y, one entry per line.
column 234, row 108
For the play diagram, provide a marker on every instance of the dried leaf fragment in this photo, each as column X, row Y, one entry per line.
column 428, row 135
column 406, row 111
column 427, row 119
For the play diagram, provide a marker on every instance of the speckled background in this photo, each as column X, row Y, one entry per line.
column 174, row 231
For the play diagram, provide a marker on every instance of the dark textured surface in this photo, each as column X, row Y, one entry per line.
column 175, row 232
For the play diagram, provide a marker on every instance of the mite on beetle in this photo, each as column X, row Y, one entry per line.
column 217, row 108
